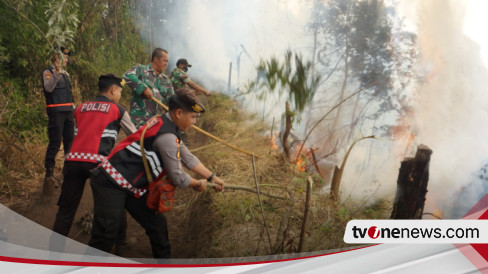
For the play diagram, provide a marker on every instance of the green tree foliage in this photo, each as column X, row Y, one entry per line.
column 23, row 37
column 362, row 42
column 62, row 22
column 4, row 58
column 291, row 78
column 107, row 41
column 101, row 34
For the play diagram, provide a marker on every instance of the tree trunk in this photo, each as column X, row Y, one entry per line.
column 286, row 133
column 335, row 183
column 337, row 176
column 312, row 73
column 116, row 21
column 315, row 161
column 412, row 185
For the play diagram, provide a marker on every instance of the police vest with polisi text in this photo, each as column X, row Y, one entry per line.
column 60, row 99
column 124, row 165
column 97, row 128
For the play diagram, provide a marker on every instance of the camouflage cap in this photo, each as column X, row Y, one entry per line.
column 187, row 100
column 183, row 61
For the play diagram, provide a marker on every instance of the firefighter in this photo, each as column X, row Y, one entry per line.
column 59, row 107
column 121, row 182
column 180, row 78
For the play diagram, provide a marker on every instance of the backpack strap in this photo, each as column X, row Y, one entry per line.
column 143, row 151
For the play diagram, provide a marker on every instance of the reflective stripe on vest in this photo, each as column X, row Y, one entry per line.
column 59, row 105
column 121, row 181
column 77, row 156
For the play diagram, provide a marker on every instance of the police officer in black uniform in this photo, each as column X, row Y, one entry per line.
column 120, row 181
column 59, row 106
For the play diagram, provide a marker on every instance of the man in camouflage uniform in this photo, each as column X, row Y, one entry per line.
column 180, row 79
column 147, row 82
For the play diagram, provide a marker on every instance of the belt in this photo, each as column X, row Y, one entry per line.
column 59, row 105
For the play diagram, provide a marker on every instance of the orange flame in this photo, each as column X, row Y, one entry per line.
column 403, row 133
column 301, row 163
column 273, row 141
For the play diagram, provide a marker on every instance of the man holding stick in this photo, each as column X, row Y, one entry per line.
column 148, row 82
column 180, row 78
column 120, row 181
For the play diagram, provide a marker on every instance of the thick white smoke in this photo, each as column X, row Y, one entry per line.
column 449, row 114
column 450, row 106
column 213, row 33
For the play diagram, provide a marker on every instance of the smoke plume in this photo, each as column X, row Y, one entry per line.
column 449, row 104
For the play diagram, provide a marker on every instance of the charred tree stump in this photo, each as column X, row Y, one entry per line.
column 412, row 185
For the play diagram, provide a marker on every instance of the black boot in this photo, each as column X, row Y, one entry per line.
column 49, row 182
column 49, row 172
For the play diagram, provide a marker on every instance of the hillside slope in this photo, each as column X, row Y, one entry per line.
column 206, row 225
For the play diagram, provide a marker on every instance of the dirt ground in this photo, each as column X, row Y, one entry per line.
column 189, row 222
column 185, row 232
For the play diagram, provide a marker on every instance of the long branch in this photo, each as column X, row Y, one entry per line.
column 245, row 188
column 333, row 70
column 323, row 117
column 261, row 204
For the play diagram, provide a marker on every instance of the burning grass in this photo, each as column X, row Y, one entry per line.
column 237, row 227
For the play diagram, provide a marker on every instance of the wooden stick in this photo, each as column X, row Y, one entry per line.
column 209, row 134
column 203, row 147
column 305, row 214
column 245, row 188
column 314, row 160
column 261, row 204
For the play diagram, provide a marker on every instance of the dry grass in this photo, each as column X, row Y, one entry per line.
column 237, row 227
column 21, row 169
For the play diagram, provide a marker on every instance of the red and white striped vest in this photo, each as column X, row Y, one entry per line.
column 124, row 165
column 97, row 128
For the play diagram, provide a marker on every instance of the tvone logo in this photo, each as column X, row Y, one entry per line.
column 373, row 232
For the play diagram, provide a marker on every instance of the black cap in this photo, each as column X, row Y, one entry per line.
column 107, row 80
column 66, row 51
column 183, row 61
column 186, row 99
